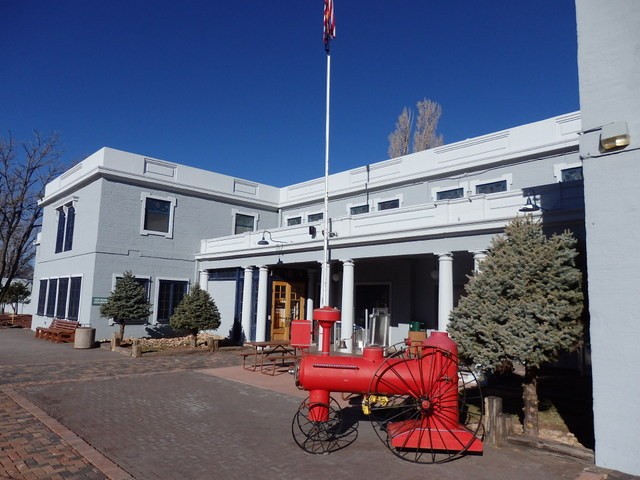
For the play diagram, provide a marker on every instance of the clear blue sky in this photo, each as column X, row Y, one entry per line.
column 238, row 86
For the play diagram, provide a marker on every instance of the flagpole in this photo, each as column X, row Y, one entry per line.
column 324, row 293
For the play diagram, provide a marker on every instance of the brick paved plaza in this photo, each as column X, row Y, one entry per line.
column 94, row 414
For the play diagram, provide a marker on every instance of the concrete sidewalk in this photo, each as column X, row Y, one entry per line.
column 94, row 414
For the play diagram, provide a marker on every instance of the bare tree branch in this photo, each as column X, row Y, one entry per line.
column 424, row 136
column 399, row 139
column 25, row 169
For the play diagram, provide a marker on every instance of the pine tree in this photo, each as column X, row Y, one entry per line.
column 197, row 311
column 127, row 302
column 522, row 308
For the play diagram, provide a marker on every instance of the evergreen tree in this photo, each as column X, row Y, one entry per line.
column 127, row 302
column 523, row 307
column 197, row 311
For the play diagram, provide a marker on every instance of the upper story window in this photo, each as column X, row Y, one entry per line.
column 571, row 174
column 359, row 209
column 389, row 204
column 66, row 222
column 315, row 217
column 244, row 223
column 492, row 187
column 157, row 215
column 450, row 194
column 294, row 221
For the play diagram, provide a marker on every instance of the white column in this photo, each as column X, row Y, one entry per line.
column 478, row 257
column 246, row 303
column 261, row 320
column 348, row 289
column 445, row 289
column 204, row 279
column 311, row 289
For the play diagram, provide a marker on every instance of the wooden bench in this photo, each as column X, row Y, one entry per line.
column 59, row 331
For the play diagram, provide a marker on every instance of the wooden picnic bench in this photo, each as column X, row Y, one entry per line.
column 59, row 331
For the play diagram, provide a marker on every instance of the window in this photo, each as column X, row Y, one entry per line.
column 51, row 298
column 157, row 214
column 493, row 187
column 244, row 223
column 315, row 217
column 170, row 294
column 42, row 297
column 389, row 204
column 74, row 298
column 359, row 209
column 66, row 222
column 60, row 297
column 61, row 306
column 450, row 194
column 572, row 174
column 294, row 221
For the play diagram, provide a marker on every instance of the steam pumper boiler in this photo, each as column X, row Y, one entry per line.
column 422, row 406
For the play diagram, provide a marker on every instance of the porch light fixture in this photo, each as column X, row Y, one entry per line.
column 615, row 135
column 263, row 241
column 530, row 206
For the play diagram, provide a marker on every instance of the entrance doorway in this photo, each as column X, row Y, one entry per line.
column 287, row 303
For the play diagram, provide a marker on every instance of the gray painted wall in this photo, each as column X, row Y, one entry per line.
column 609, row 61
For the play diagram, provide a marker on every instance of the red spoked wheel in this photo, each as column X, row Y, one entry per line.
column 319, row 437
column 424, row 410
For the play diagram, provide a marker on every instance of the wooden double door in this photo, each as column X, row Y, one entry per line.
column 287, row 304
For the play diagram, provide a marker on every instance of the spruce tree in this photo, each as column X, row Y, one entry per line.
column 127, row 302
column 523, row 307
column 197, row 311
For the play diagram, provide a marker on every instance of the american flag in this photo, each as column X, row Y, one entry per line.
column 329, row 22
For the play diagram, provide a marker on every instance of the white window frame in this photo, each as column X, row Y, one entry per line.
column 313, row 212
column 559, row 167
column 289, row 217
column 474, row 183
column 358, row 204
column 143, row 203
column 156, row 289
column 463, row 185
column 377, row 201
column 55, row 302
column 235, row 212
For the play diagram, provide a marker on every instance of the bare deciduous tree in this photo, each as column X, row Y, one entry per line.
column 400, row 138
column 424, row 133
column 25, row 169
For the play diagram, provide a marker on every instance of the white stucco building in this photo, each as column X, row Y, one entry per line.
column 405, row 232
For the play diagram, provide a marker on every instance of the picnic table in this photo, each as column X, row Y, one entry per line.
column 270, row 356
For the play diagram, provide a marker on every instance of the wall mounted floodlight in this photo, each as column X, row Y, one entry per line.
column 615, row 135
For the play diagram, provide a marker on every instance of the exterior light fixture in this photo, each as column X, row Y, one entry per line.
column 530, row 206
column 263, row 241
column 615, row 135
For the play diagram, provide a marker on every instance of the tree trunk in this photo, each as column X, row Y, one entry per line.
column 193, row 339
column 530, row 399
column 121, row 331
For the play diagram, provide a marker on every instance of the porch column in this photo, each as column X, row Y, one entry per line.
column 478, row 257
column 246, row 303
column 311, row 290
column 204, row 279
column 261, row 320
column 325, row 276
column 347, row 304
column 445, row 289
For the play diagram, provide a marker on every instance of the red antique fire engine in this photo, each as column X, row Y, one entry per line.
column 417, row 398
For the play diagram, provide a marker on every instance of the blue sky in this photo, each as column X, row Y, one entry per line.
column 238, row 86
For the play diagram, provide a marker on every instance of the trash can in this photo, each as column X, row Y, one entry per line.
column 85, row 337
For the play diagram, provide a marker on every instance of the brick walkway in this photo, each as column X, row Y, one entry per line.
column 94, row 414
